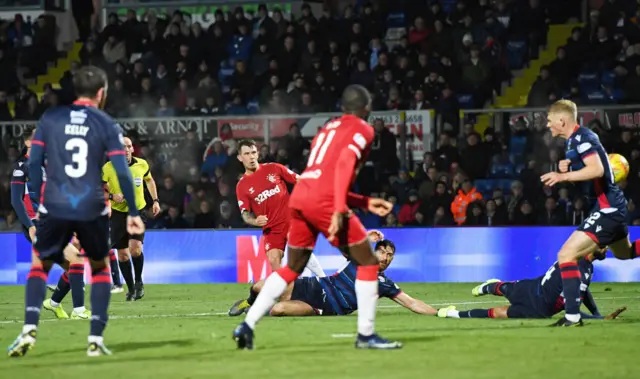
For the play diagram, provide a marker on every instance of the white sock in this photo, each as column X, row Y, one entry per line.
column 28, row 327
column 367, row 294
column 453, row 313
column 54, row 304
column 572, row 318
column 78, row 309
column 314, row 265
column 271, row 291
column 96, row 339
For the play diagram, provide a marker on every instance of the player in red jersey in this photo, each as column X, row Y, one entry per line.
column 319, row 205
column 262, row 190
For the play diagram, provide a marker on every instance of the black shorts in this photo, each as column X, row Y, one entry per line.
column 605, row 226
column 309, row 290
column 53, row 235
column 525, row 300
column 119, row 236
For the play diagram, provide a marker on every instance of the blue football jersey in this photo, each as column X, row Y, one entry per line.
column 605, row 193
column 75, row 140
column 340, row 289
column 550, row 284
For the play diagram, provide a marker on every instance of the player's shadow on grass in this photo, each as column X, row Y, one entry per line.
column 138, row 345
column 128, row 346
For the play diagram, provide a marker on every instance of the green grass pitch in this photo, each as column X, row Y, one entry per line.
column 182, row 332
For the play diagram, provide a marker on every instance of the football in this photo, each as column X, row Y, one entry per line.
column 619, row 166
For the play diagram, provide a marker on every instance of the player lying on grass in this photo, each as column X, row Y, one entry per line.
column 541, row 297
column 335, row 295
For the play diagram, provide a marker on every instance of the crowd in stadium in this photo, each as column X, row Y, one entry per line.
column 438, row 55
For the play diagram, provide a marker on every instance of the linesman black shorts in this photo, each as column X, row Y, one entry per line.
column 119, row 236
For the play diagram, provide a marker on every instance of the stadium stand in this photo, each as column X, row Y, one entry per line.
column 414, row 55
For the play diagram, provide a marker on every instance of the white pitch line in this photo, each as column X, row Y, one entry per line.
column 207, row 314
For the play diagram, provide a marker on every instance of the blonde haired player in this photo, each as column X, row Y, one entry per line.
column 587, row 161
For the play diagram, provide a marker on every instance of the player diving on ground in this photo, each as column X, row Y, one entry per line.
column 587, row 163
column 541, row 297
column 335, row 294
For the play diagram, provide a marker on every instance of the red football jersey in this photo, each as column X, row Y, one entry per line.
column 335, row 141
column 265, row 193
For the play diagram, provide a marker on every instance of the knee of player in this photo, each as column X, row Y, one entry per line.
column 500, row 312
column 135, row 247
column 123, row 255
column 277, row 310
column 97, row 265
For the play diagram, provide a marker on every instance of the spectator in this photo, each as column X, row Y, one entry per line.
column 579, row 213
column 465, row 196
column 402, row 186
column 217, row 158
column 10, row 223
column 494, row 215
column 296, row 146
column 408, row 210
column 205, row 219
column 551, row 215
column 476, row 216
column 173, row 219
column 442, row 217
column 169, row 194
column 524, row 215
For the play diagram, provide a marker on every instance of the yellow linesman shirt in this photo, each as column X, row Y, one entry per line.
column 139, row 172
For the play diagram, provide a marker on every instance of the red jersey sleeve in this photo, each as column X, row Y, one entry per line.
column 361, row 138
column 243, row 200
column 286, row 174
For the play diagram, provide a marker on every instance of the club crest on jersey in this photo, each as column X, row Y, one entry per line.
column 271, row 178
column 137, row 181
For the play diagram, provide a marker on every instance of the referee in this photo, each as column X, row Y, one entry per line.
column 129, row 246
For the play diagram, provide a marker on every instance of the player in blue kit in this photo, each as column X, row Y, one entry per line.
column 335, row 295
column 541, row 297
column 25, row 208
column 587, row 164
column 74, row 139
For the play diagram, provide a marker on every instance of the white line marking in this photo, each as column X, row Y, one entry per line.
column 343, row 335
column 207, row 314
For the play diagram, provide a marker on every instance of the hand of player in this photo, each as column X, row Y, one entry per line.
column 615, row 313
column 118, row 198
column 552, row 178
column 564, row 164
column 375, row 235
column 32, row 233
column 380, row 207
column 135, row 225
column 261, row 221
column 155, row 208
column 337, row 222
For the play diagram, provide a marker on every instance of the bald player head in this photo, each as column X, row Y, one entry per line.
column 356, row 100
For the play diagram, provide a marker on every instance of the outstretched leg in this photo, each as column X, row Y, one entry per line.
column 496, row 312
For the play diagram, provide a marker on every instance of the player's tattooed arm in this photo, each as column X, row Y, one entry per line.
column 252, row 220
column 415, row 305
